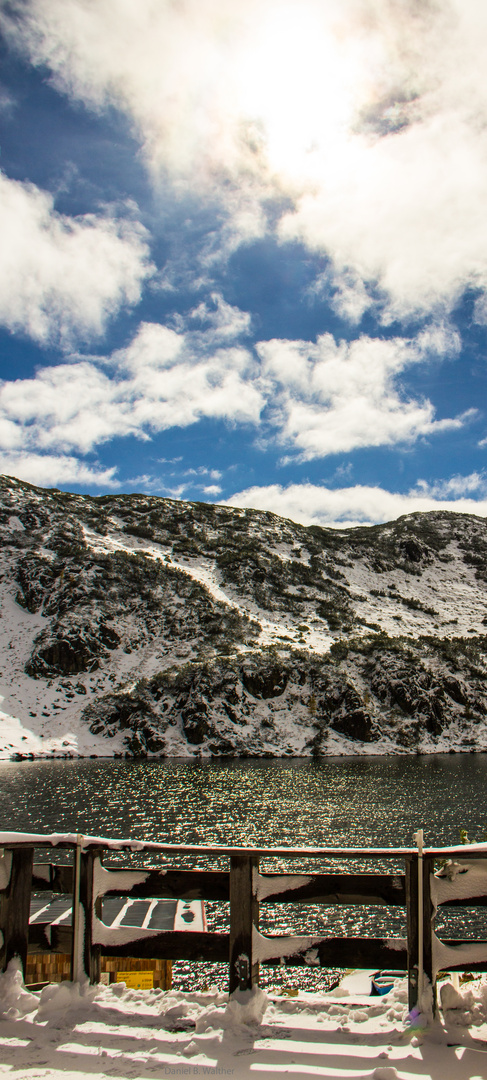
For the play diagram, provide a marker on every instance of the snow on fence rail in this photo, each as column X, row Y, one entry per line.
column 460, row 880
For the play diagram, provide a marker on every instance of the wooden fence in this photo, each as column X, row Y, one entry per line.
column 89, row 877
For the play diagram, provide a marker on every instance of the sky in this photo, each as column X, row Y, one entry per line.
column 243, row 252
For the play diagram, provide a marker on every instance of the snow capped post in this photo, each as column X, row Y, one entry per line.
column 420, row 914
column 85, row 956
column 78, row 935
column 418, row 839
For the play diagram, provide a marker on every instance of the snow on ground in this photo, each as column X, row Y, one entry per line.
column 205, row 573
column 68, row 1032
column 449, row 597
column 41, row 716
column 455, row 597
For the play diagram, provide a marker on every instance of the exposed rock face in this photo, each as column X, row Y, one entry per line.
column 35, row 579
column 269, row 682
column 144, row 626
column 355, row 725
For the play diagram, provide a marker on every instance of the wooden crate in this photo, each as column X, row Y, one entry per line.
column 47, row 967
column 161, row 969
column 56, row 967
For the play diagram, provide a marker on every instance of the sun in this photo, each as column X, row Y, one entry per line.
column 301, row 81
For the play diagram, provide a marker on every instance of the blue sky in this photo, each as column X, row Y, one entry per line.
column 244, row 252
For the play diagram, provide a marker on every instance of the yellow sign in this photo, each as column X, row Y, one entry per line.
column 136, row 980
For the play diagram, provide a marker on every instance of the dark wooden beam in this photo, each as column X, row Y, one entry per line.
column 428, row 926
column 338, row 952
column 174, row 945
column 336, row 889
column 326, row 889
column 91, row 951
column 412, row 922
column 167, row 945
column 15, row 906
column 414, row 866
column 175, row 884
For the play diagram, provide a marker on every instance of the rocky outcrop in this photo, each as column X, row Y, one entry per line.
column 355, row 725
column 247, row 708
column 35, row 577
column 269, row 682
column 134, row 716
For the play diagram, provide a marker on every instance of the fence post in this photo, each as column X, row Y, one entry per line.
column 413, row 916
column 428, row 919
column 77, row 917
column 244, row 915
column 412, row 922
column 15, row 906
column 90, row 953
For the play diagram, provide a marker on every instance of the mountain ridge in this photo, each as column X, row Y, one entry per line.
column 141, row 626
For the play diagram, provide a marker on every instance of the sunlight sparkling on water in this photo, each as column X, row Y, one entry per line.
column 336, row 801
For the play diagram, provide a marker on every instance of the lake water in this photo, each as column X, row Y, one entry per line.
column 337, row 801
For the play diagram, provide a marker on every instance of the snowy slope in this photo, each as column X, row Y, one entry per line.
column 137, row 625
column 68, row 1031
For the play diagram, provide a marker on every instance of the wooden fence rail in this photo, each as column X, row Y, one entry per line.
column 461, row 880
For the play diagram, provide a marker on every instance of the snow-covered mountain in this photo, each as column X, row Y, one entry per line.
column 135, row 625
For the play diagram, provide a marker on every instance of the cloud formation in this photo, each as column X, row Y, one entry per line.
column 163, row 379
column 312, row 504
column 333, row 397
column 48, row 470
column 314, row 399
column 61, row 277
column 369, row 115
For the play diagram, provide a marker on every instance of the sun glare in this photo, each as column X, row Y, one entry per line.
column 301, row 82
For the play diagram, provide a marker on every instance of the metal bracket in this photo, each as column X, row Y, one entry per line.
column 243, row 972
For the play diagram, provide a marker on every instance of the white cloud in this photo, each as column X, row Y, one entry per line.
column 225, row 322
column 62, row 277
column 400, row 198
column 312, row 504
column 49, row 470
column 212, row 489
column 455, row 486
column 320, row 399
column 163, row 379
column 351, row 298
column 202, row 470
column 174, row 381
column 169, row 66
column 329, row 398
column 370, row 115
